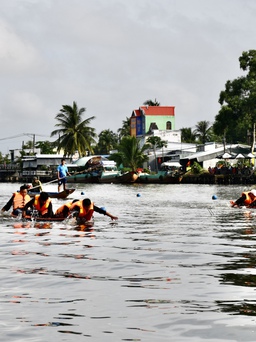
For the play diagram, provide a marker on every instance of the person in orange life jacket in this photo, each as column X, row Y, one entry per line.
column 64, row 210
column 84, row 210
column 41, row 203
column 246, row 199
column 253, row 199
column 18, row 201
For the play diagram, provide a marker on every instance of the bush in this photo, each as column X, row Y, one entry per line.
column 196, row 168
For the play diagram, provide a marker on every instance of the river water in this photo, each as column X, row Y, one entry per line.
column 176, row 266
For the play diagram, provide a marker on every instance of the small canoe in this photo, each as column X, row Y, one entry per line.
column 61, row 194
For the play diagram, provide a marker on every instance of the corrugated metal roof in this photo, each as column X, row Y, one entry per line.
column 83, row 161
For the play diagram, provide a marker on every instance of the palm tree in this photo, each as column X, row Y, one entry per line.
column 162, row 144
column 130, row 154
column 156, row 142
column 151, row 103
column 74, row 133
column 107, row 141
column 203, row 131
column 125, row 130
column 187, row 135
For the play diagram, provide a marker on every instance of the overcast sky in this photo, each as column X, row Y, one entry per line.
column 112, row 55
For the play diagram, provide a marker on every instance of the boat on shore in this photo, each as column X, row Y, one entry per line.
column 98, row 169
column 105, row 177
column 127, row 178
column 161, row 177
column 169, row 173
column 94, row 169
column 62, row 194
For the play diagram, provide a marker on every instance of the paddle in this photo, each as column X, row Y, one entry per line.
column 56, row 180
column 52, row 181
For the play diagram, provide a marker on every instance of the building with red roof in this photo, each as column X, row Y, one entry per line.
column 148, row 118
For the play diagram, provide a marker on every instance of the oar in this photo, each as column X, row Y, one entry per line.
column 56, row 180
column 52, row 181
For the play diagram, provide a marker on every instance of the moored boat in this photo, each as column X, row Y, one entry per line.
column 169, row 173
column 109, row 176
column 96, row 169
column 127, row 178
column 161, row 177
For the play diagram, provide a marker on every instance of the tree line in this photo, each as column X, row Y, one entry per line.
column 235, row 123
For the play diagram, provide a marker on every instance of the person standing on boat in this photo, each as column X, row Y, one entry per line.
column 62, row 170
column 41, row 203
column 18, row 200
column 83, row 211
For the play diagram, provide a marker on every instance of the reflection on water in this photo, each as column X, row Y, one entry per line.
column 176, row 266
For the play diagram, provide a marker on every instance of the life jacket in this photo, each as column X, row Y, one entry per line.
column 85, row 213
column 44, row 209
column 19, row 201
column 59, row 211
column 249, row 197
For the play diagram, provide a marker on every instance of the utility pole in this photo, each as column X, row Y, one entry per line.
column 34, row 141
column 253, row 139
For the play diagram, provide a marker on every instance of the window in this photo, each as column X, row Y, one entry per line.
column 168, row 125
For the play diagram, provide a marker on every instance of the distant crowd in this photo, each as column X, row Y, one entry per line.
column 231, row 170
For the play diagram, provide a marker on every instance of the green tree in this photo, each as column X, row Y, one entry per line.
column 237, row 115
column 4, row 159
column 27, row 149
column 125, row 130
column 74, row 133
column 108, row 141
column 203, row 131
column 156, row 142
column 187, row 135
column 130, row 154
column 151, row 103
column 28, row 145
column 46, row 147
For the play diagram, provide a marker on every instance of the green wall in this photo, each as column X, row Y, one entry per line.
column 160, row 121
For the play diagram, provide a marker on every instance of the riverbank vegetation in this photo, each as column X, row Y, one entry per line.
column 234, row 123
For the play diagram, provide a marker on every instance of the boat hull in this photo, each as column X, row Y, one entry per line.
column 61, row 194
column 107, row 177
column 159, row 178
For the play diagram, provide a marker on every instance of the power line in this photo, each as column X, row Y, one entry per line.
column 22, row 134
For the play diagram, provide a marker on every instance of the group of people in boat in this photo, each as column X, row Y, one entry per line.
column 247, row 199
column 24, row 205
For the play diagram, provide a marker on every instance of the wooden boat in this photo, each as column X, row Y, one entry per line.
column 62, row 194
column 161, row 177
column 97, row 170
column 127, row 178
column 109, row 176
column 86, row 177
column 83, row 224
column 169, row 173
column 100, row 170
